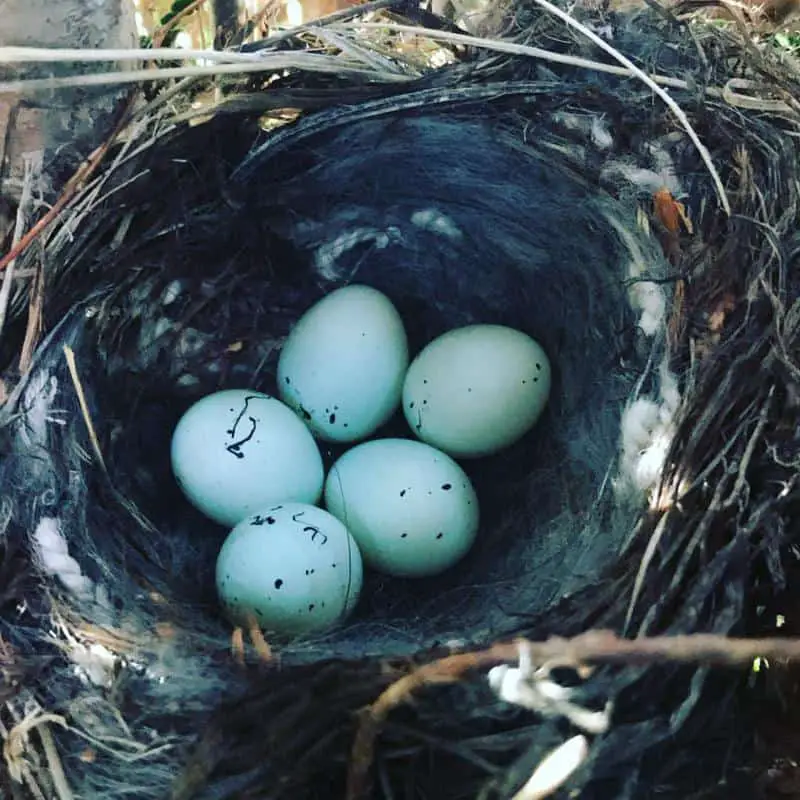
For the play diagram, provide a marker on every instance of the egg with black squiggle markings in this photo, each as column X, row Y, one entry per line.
column 410, row 507
column 293, row 568
column 237, row 450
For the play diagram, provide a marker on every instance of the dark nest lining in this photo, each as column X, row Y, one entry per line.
column 494, row 190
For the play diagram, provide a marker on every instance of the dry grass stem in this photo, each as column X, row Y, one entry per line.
column 31, row 176
column 60, row 783
column 628, row 69
column 48, row 55
column 87, row 417
column 73, row 185
column 35, row 323
column 302, row 61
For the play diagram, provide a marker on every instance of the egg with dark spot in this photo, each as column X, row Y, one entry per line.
column 281, row 572
column 411, row 508
column 476, row 390
column 343, row 364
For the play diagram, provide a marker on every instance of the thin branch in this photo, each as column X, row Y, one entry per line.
column 35, row 322
column 597, row 647
column 160, row 33
column 629, row 68
column 648, row 81
column 515, row 48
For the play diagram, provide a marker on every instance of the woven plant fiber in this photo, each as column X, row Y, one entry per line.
column 657, row 495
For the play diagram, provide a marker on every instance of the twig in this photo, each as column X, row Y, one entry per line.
column 590, row 647
column 160, row 33
column 35, row 324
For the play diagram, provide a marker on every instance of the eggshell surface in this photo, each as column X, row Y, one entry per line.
column 293, row 567
column 476, row 390
column 343, row 364
column 412, row 509
column 236, row 451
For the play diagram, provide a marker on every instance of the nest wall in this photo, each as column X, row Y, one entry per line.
column 489, row 191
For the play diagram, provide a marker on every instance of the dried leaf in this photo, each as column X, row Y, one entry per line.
column 670, row 212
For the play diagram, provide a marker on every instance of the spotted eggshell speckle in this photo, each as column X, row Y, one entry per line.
column 477, row 389
column 293, row 567
column 343, row 364
column 236, row 451
column 411, row 508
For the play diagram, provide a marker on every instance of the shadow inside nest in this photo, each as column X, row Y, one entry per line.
column 483, row 193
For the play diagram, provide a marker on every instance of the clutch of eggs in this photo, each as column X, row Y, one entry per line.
column 250, row 462
column 236, row 451
column 292, row 568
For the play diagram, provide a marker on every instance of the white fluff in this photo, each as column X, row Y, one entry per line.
column 172, row 292
column 647, row 298
column 55, row 561
column 601, row 133
column 431, row 219
column 328, row 254
column 648, row 180
column 94, row 663
column 593, row 125
column 38, row 400
column 665, row 166
column 648, row 426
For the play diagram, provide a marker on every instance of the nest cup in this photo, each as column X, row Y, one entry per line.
column 479, row 193
column 425, row 208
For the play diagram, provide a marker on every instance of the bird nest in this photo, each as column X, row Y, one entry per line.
column 632, row 207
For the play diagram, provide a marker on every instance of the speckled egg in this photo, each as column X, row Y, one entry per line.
column 410, row 507
column 236, row 451
column 292, row 567
column 476, row 390
column 343, row 364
